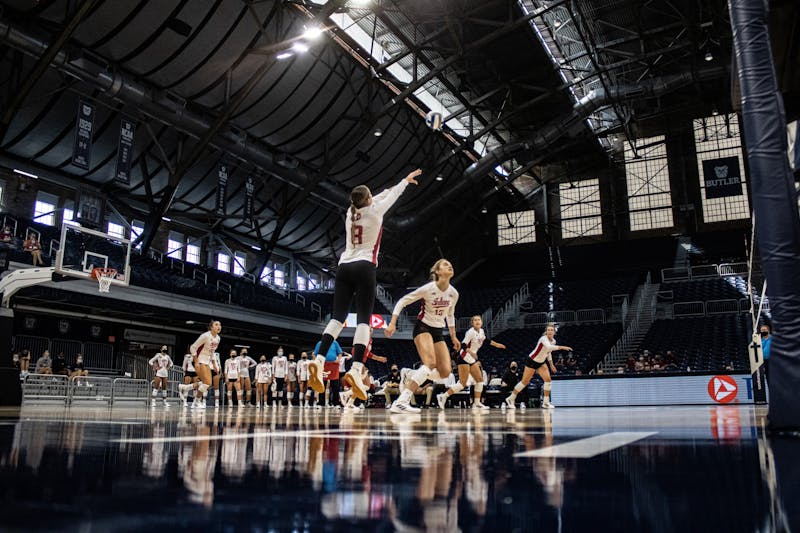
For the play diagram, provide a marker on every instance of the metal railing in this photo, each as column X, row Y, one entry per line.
column 127, row 390
column 225, row 288
column 200, row 275
column 508, row 312
column 636, row 322
column 722, row 307
column 36, row 345
column 45, row 388
column 689, row 309
column 704, row 271
column 91, row 389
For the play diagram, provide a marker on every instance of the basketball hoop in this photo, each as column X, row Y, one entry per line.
column 104, row 277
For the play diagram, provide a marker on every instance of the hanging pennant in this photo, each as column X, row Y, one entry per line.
column 82, row 150
column 127, row 130
column 249, row 190
column 222, row 186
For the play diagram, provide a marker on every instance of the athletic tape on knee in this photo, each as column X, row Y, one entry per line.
column 334, row 327
column 518, row 387
column 202, row 388
column 479, row 387
column 420, row 375
column 361, row 336
column 458, row 387
column 548, row 385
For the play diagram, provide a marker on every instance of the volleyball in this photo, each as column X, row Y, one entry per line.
column 434, row 120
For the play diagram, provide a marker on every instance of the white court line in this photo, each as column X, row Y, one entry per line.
column 589, row 447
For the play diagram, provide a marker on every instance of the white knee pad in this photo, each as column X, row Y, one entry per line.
column 334, row 327
column 479, row 387
column 361, row 335
column 547, row 386
column 420, row 375
column 202, row 388
column 458, row 387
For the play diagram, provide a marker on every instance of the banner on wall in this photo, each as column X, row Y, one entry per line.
column 127, row 131
column 222, row 185
column 149, row 337
column 82, row 150
column 722, row 177
column 249, row 191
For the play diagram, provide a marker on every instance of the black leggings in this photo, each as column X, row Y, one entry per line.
column 357, row 280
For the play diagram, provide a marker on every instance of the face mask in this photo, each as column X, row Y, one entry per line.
column 263, row 360
column 280, row 353
column 764, row 334
column 163, row 350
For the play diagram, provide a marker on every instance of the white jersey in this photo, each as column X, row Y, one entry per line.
column 302, row 370
column 245, row 364
column 204, row 347
column 232, row 368
column 162, row 363
column 438, row 306
column 188, row 363
column 544, row 350
column 280, row 365
column 291, row 372
column 263, row 372
column 365, row 227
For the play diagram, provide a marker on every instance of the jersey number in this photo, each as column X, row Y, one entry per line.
column 358, row 232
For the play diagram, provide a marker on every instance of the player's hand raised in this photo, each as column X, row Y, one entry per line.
column 412, row 176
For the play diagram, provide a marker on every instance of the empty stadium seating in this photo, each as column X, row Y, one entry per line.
column 702, row 343
column 701, row 290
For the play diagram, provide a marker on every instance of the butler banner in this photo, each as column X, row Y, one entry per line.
column 722, row 177
column 82, row 149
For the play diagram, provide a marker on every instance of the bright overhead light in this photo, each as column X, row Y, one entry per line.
column 284, row 55
column 359, row 2
column 714, row 112
column 556, row 23
column 28, row 174
column 312, row 33
column 166, row 219
column 484, row 210
column 256, row 248
column 378, row 132
column 709, row 56
column 439, row 177
column 300, row 47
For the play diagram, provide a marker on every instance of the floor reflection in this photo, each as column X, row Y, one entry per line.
column 304, row 470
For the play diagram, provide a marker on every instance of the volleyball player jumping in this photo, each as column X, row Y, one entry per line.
column 355, row 278
column 438, row 307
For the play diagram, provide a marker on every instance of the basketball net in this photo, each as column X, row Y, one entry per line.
column 104, row 277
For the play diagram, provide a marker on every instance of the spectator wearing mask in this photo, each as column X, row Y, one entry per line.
column 766, row 342
column 78, row 370
column 392, row 385
column 33, row 246
column 510, row 378
column 44, row 365
column 60, row 365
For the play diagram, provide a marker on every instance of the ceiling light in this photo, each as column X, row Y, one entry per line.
column 28, row 174
column 256, row 248
column 439, row 177
column 378, row 132
column 300, row 47
column 284, row 55
column 359, row 2
column 709, row 56
column 714, row 112
column 484, row 210
column 556, row 23
column 166, row 219
column 312, row 33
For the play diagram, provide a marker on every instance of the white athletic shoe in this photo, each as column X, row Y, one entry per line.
column 185, row 403
column 509, row 401
column 399, row 407
column 547, row 405
column 216, row 404
column 480, row 406
column 183, row 391
column 353, row 378
column 241, row 405
column 153, row 403
column 166, row 404
column 345, row 396
column 522, row 406
column 201, row 405
column 315, row 370
column 441, row 399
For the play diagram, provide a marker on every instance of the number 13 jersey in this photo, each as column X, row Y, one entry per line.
column 365, row 226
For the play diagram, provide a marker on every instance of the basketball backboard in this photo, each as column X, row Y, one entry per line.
column 82, row 249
